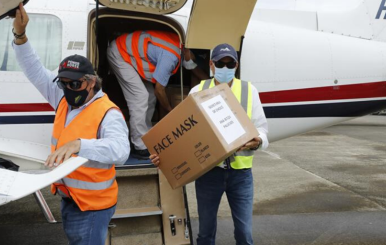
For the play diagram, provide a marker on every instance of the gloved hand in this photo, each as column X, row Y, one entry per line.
column 189, row 65
column 188, row 62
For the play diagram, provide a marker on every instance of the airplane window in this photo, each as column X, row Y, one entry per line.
column 45, row 34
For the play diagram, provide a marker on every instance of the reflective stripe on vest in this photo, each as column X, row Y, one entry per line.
column 88, row 185
column 93, row 185
column 243, row 93
column 133, row 49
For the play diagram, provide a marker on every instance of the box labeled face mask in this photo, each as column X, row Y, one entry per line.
column 200, row 133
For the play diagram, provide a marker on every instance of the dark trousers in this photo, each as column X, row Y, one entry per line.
column 85, row 228
column 238, row 186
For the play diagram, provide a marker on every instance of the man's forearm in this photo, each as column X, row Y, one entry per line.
column 22, row 40
column 198, row 72
column 160, row 93
column 106, row 150
column 37, row 74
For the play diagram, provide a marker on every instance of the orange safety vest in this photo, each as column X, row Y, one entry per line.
column 133, row 49
column 93, row 185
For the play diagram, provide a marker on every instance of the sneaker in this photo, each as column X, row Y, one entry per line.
column 140, row 154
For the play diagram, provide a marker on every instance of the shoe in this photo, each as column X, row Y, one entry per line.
column 140, row 154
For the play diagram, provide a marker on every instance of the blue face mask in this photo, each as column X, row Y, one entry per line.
column 224, row 75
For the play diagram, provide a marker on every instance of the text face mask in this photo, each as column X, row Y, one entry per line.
column 75, row 98
column 224, row 75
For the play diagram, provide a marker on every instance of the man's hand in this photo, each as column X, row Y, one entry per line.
column 188, row 55
column 21, row 20
column 251, row 144
column 62, row 154
column 155, row 159
column 20, row 24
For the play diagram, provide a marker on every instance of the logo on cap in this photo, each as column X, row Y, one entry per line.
column 225, row 49
column 70, row 65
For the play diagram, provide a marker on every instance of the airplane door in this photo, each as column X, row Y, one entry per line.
column 159, row 7
column 8, row 7
column 213, row 22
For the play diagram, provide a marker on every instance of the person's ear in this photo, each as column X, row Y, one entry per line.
column 211, row 65
column 93, row 83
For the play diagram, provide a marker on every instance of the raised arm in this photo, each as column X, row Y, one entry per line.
column 30, row 63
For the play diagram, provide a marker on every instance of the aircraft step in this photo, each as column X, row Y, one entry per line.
column 126, row 171
column 138, row 188
column 138, row 239
column 137, row 212
column 136, row 230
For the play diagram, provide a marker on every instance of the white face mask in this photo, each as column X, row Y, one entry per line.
column 224, row 75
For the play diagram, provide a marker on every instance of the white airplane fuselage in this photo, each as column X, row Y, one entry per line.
column 307, row 79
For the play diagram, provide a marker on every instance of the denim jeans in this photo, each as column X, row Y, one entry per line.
column 89, row 227
column 238, row 186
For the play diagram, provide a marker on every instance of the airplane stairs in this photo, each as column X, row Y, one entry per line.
column 148, row 211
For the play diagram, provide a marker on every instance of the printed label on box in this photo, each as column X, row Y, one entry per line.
column 223, row 118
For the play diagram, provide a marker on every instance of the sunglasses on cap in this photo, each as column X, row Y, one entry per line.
column 74, row 84
column 230, row 65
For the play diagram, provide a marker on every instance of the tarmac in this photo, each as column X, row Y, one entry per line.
column 323, row 187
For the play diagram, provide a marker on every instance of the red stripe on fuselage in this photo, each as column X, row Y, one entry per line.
column 36, row 107
column 341, row 92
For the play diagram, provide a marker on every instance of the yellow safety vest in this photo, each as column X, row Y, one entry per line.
column 243, row 92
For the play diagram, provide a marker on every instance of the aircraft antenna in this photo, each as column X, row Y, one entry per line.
column 238, row 73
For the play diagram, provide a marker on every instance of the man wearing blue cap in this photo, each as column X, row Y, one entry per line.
column 234, row 175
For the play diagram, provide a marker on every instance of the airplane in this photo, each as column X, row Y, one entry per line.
column 312, row 68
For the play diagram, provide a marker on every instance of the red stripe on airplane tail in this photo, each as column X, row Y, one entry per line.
column 339, row 92
column 35, row 107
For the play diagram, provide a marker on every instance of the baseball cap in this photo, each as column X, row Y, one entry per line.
column 224, row 50
column 75, row 67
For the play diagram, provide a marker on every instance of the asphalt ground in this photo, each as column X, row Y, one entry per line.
column 324, row 187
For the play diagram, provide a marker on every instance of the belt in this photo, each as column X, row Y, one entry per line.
column 68, row 200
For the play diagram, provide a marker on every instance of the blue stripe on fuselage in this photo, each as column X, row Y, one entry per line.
column 30, row 119
column 342, row 109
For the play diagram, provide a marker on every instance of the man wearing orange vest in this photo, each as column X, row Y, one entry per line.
column 152, row 56
column 87, row 124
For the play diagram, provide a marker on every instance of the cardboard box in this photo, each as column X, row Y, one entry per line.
column 174, row 97
column 199, row 133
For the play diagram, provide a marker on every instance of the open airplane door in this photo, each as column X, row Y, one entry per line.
column 8, row 7
column 213, row 22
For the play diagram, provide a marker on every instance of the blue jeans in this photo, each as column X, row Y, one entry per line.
column 85, row 228
column 238, row 186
